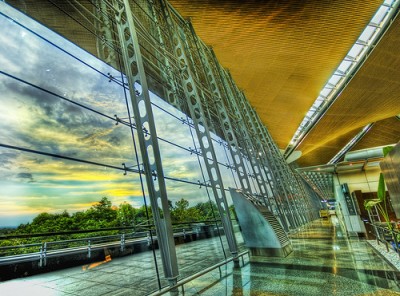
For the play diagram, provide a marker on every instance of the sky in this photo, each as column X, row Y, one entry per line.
column 34, row 119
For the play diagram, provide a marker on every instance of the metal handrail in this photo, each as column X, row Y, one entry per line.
column 393, row 233
column 197, row 275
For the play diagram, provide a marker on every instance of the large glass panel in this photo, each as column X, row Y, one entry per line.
column 72, row 196
column 73, row 214
column 69, row 197
column 42, row 122
column 194, row 213
column 63, row 69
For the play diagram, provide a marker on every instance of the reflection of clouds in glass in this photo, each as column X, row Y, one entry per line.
column 6, row 159
column 11, row 50
column 61, row 186
column 34, row 119
column 26, row 176
column 38, row 62
column 192, row 193
column 40, row 121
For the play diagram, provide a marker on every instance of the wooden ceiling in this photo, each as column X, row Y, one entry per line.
column 281, row 53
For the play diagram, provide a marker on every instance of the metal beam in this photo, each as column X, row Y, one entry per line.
column 148, row 142
column 193, row 98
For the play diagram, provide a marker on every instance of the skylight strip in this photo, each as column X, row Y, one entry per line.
column 356, row 56
column 351, row 144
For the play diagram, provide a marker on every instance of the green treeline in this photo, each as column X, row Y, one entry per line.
column 104, row 215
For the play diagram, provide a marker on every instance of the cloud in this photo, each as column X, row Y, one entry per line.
column 34, row 119
column 27, row 176
column 6, row 159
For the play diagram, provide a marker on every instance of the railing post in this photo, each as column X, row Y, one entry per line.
column 89, row 248
column 122, row 242
column 42, row 255
column 148, row 239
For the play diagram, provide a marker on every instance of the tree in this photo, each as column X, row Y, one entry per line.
column 207, row 210
column 182, row 213
column 141, row 215
column 125, row 214
column 103, row 213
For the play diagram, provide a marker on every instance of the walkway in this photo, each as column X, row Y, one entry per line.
column 324, row 262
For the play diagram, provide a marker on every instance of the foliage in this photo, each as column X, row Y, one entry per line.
column 380, row 202
column 181, row 212
column 99, row 216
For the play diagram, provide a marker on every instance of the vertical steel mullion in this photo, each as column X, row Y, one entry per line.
column 279, row 166
column 148, row 143
column 254, row 124
column 230, row 100
column 223, row 116
column 172, row 92
column 202, row 130
column 235, row 95
column 104, row 26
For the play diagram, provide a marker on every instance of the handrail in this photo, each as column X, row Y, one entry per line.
column 148, row 226
column 394, row 233
column 198, row 274
column 98, row 239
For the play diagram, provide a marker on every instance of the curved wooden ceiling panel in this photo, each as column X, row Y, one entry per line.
column 325, row 152
column 280, row 52
column 382, row 133
column 372, row 95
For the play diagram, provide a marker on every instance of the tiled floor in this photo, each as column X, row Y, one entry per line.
column 130, row 275
column 324, row 262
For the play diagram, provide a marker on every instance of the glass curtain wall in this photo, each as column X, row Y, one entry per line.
column 71, row 171
column 73, row 189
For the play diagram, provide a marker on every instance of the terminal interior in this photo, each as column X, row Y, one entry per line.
column 199, row 147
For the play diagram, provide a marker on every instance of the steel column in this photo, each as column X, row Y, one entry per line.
column 201, row 127
column 150, row 152
column 223, row 116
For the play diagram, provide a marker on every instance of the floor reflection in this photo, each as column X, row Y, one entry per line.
column 324, row 262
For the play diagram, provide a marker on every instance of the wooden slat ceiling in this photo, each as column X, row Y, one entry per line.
column 382, row 133
column 373, row 95
column 283, row 52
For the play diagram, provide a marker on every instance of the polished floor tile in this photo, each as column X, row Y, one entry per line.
column 323, row 262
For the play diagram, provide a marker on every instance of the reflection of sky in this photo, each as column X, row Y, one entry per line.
column 34, row 119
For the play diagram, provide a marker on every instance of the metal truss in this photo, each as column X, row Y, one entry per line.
column 194, row 100
column 257, row 151
column 143, row 116
column 280, row 170
column 250, row 145
column 288, row 180
column 223, row 116
column 160, row 50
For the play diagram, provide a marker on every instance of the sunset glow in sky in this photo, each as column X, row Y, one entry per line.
column 34, row 119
